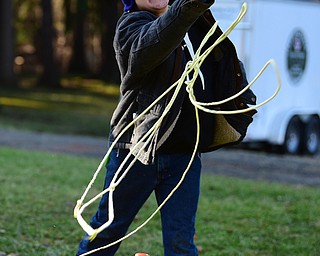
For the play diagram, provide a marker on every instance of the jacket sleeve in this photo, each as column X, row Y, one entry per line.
column 144, row 41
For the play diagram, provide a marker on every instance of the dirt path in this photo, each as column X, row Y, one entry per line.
column 75, row 145
column 229, row 162
column 264, row 166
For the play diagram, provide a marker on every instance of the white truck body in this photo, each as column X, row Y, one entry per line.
column 285, row 30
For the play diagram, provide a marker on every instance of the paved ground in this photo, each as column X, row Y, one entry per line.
column 228, row 162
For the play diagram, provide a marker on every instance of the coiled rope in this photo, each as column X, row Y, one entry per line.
column 193, row 66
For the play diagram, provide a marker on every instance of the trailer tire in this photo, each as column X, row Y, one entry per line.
column 311, row 136
column 293, row 139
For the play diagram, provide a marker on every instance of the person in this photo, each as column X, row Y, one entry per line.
column 150, row 47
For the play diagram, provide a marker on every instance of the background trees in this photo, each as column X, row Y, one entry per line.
column 7, row 76
column 48, row 39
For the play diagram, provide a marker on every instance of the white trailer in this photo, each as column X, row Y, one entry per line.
column 285, row 30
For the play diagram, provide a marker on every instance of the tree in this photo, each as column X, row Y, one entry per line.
column 78, row 63
column 50, row 74
column 7, row 76
column 109, row 68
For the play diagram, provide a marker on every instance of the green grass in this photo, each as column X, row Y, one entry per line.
column 236, row 217
column 81, row 107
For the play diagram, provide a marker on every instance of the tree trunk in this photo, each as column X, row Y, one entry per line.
column 50, row 75
column 78, row 64
column 109, row 69
column 7, row 76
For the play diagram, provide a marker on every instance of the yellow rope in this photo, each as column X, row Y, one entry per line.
column 191, row 66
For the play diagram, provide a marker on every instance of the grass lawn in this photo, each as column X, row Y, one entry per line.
column 80, row 107
column 236, row 217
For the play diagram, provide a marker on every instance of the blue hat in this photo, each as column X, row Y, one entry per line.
column 128, row 4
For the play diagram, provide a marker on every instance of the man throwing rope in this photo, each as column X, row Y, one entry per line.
column 153, row 42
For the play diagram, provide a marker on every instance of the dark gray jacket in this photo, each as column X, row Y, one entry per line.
column 146, row 51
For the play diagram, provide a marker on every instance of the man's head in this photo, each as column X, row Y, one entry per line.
column 157, row 7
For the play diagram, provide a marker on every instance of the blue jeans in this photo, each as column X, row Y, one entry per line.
column 177, row 215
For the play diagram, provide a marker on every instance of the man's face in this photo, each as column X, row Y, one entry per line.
column 157, row 7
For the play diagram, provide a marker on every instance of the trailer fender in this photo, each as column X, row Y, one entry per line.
column 280, row 125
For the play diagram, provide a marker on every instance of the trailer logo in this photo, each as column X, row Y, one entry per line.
column 297, row 56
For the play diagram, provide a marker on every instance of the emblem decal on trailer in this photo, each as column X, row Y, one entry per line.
column 297, row 56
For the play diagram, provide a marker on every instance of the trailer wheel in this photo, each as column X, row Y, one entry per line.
column 311, row 136
column 293, row 138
